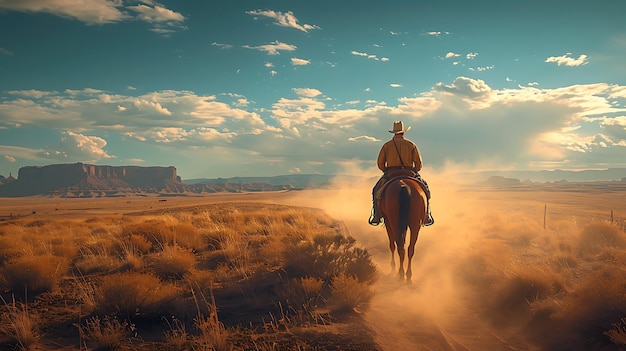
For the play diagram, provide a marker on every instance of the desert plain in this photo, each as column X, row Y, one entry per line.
column 540, row 268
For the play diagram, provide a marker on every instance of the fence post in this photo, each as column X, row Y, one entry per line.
column 611, row 216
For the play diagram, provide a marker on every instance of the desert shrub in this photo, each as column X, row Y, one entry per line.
column 188, row 236
column 513, row 295
column 90, row 262
column 11, row 243
column 133, row 294
column 131, row 260
column 106, row 334
column 237, row 251
column 151, row 229
column 176, row 338
column 521, row 234
column 585, row 315
column 133, row 242
column 597, row 236
column 20, row 325
column 212, row 335
column 348, row 293
column 140, row 243
column 302, row 293
column 329, row 255
column 34, row 274
column 565, row 260
column 173, row 262
column 200, row 279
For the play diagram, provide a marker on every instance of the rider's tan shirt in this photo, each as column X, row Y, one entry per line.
column 406, row 150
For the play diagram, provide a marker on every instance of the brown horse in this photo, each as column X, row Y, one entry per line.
column 403, row 206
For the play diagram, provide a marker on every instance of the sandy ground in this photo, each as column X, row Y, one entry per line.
column 430, row 314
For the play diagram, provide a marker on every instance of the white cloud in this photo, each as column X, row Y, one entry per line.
column 284, row 19
column 222, row 46
column 364, row 138
column 17, row 152
column 273, row 48
column 308, row 92
column 451, row 55
column 5, row 52
column 88, row 11
column 615, row 127
column 299, row 62
column 32, row 93
column 9, row 159
column 369, row 56
column 76, row 147
column 566, row 60
column 156, row 14
column 150, row 105
column 481, row 69
column 465, row 86
column 102, row 11
column 395, row 85
column 141, row 118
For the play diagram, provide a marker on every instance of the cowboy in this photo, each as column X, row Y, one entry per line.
column 399, row 153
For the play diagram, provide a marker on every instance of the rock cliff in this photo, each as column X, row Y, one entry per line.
column 33, row 180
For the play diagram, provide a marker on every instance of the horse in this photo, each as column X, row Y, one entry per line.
column 403, row 205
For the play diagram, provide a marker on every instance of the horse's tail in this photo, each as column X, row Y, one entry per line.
column 404, row 199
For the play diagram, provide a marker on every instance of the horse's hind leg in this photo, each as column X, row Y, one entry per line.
column 401, row 254
column 392, row 248
column 411, row 252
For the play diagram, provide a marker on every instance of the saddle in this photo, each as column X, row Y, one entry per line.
column 403, row 174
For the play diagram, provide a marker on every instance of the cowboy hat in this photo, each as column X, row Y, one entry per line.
column 398, row 128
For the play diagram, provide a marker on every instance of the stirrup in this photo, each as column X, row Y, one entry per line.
column 429, row 220
column 373, row 220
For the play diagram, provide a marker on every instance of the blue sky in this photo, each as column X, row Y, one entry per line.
column 242, row 88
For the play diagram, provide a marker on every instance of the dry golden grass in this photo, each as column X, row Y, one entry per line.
column 20, row 324
column 158, row 266
column 107, row 333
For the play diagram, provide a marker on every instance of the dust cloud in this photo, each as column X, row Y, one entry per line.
column 432, row 313
column 490, row 274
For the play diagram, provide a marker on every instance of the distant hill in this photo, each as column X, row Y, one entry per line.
column 295, row 180
column 616, row 174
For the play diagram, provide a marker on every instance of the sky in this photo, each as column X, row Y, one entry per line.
column 264, row 88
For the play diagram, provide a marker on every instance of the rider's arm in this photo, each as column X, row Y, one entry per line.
column 382, row 158
column 417, row 158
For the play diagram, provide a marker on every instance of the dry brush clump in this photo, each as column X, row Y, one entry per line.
column 130, row 295
column 32, row 275
column 107, row 333
column 565, row 289
column 20, row 324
